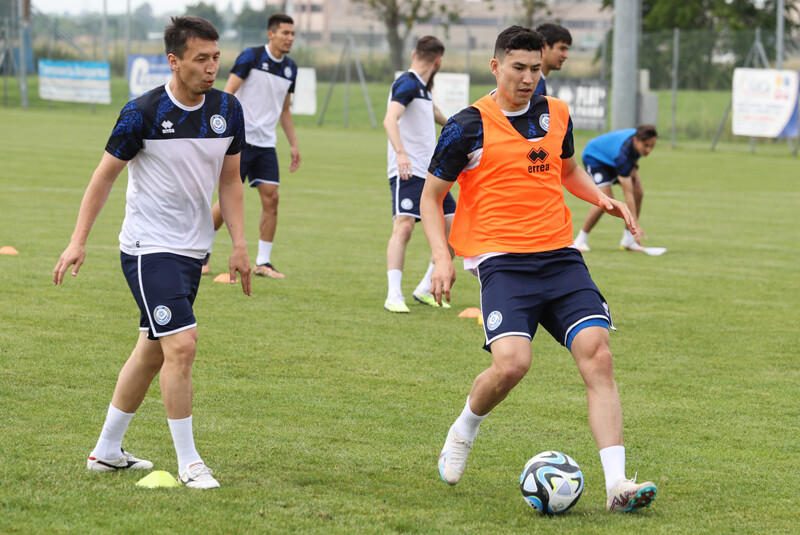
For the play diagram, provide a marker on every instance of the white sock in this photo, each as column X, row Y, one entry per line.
column 183, row 438
column 264, row 252
column 468, row 423
column 582, row 238
column 424, row 286
column 109, row 445
column 627, row 237
column 395, row 277
column 613, row 460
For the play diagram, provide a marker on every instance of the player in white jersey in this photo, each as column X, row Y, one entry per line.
column 410, row 124
column 263, row 79
column 179, row 141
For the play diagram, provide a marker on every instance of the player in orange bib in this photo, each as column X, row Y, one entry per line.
column 511, row 153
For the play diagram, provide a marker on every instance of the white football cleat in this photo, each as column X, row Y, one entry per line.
column 198, row 476
column 628, row 496
column 582, row 246
column 127, row 461
column 453, row 459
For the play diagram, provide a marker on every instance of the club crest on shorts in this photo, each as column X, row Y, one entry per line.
column 218, row 123
column 494, row 320
column 544, row 121
column 162, row 314
column 406, row 204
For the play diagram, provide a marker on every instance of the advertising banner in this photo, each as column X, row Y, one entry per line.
column 75, row 81
column 765, row 103
column 586, row 99
column 451, row 92
column 304, row 98
column 146, row 72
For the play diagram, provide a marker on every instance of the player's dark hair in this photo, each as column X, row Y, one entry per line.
column 277, row 19
column 554, row 33
column 181, row 29
column 645, row 132
column 517, row 38
column 429, row 48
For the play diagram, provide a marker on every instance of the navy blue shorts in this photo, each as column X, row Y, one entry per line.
column 552, row 288
column 407, row 193
column 603, row 175
column 259, row 165
column 164, row 286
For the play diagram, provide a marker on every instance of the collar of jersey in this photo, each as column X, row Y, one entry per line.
column 178, row 104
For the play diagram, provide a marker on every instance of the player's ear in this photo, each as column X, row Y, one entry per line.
column 173, row 61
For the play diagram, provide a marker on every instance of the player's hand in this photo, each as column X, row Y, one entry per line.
column 295, row 160
column 618, row 209
column 403, row 166
column 442, row 279
column 73, row 254
column 239, row 261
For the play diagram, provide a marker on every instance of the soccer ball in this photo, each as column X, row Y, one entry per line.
column 551, row 482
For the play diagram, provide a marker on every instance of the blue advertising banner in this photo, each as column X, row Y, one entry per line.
column 147, row 72
column 75, row 81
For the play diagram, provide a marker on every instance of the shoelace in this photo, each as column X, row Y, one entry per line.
column 458, row 457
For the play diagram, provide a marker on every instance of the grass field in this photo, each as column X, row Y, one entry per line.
column 322, row 413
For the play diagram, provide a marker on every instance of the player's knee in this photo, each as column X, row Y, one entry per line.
column 599, row 365
column 511, row 371
column 402, row 229
column 269, row 198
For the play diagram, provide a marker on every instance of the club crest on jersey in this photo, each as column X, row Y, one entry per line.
column 167, row 127
column 544, row 121
column 218, row 123
column 162, row 314
column 287, row 72
column 494, row 320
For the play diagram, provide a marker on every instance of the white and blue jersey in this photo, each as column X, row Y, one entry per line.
column 417, row 124
column 613, row 149
column 267, row 81
column 175, row 156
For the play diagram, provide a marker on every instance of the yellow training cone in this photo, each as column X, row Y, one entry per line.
column 223, row 277
column 158, row 478
column 7, row 249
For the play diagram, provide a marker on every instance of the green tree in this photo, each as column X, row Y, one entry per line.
column 208, row 12
column 715, row 37
column 252, row 24
column 399, row 18
column 531, row 9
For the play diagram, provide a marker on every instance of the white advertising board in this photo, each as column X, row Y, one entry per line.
column 75, row 81
column 304, row 98
column 765, row 102
column 451, row 92
column 147, row 72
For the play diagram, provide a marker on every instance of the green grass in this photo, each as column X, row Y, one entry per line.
column 321, row 413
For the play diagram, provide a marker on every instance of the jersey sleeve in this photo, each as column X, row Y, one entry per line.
column 404, row 90
column 452, row 151
column 568, row 145
column 244, row 63
column 294, row 77
column 237, row 127
column 126, row 139
column 626, row 159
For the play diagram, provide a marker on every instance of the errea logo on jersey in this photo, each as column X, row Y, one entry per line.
column 167, row 127
column 538, row 155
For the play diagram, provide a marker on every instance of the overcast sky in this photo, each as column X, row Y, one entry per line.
column 60, row 7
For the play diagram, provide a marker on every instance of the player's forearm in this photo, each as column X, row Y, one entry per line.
column 432, row 216
column 582, row 186
column 231, row 204
column 94, row 199
column 393, row 133
column 287, row 123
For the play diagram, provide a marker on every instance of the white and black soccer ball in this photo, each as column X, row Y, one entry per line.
column 551, row 482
